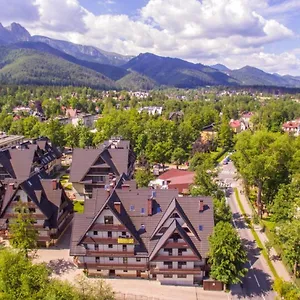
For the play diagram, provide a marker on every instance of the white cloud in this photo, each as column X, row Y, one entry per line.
column 230, row 31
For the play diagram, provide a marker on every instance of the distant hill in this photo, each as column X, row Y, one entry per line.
column 112, row 72
column 135, row 81
column 13, row 33
column 176, row 72
column 88, row 53
column 252, row 76
column 28, row 66
column 220, row 68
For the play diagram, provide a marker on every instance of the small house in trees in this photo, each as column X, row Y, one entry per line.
column 292, row 127
column 44, row 199
column 141, row 233
column 100, row 167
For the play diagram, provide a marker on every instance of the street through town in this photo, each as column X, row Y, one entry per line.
column 258, row 282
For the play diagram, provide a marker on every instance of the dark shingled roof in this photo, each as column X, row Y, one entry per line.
column 115, row 158
column 40, row 190
column 134, row 205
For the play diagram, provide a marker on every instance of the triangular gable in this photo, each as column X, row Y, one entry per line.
column 109, row 203
column 175, row 206
column 175, row 226
column 8, row 196
column 5, row 160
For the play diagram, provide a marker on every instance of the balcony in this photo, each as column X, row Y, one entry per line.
column 108, row 266
column 33, row 215
column 97, row 240
column 195, row 270
column 110, row 253
column 176, row 258
column 108, row 227
column 176, row 245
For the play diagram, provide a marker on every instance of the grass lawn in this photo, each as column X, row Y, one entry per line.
column 78, row 206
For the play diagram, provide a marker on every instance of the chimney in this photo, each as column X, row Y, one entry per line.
column 150, row 207
column 201, row 206
column 11, row 186
column 117, row 206
column 54, row 184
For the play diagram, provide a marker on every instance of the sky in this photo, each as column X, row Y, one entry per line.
column 260, row 33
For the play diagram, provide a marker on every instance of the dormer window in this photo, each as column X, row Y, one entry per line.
column 175, row 215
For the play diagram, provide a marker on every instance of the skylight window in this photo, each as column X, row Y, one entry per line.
column 200, row 227
column 142, row 210
column 131, row 208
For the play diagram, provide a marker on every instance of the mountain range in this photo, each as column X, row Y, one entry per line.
column 26, row 59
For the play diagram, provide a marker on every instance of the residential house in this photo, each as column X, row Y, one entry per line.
column 151, row 110
column 174, row 179
column 292, row 127
column 45, row 200
column 142, row 233
column 209, row 132
column 99, row 167
column 236, row 125
column 10, row 140
column 21, row 160
column 176, row 115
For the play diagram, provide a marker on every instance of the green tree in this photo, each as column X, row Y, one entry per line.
column 226, row 254
column 225, row 134
column 286, row 290
column 19, row 278
column 54, row 131
column 263, row 160
column 71, row 134
column 179, row 156
column 222, row 211
column 289, row 237
column 143, row 177
column 23, row 233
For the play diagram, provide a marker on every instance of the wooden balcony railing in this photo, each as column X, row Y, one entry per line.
column 176, row 258
column 108, row 266
column 195, row 270
column 108, row 227
column 110, row 253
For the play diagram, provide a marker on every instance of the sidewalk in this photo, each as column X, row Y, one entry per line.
column 279, row 266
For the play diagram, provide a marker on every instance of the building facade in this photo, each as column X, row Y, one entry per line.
column 46, row 202
column 143, row 233
column 98, row 168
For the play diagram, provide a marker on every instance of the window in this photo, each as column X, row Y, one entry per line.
column 97, row 259
column 186, row 230
column 109, row 234
column 31, row 210
column 110, row 246
column 123, row 232
column 98, row 270
column 29, row 183
column 17, row 198
column 95, row 232
column 111, row 258
column 108, row 220
column 168, row 250
column 96, row 247
column 181, row 264
column 138, row 259
column 180, row 251
column 169, row 264
column 125, row 271
column 131, row 208
column 181, row 276
column 124, row 247
column 142, row 210
column 168, row 276
column 175, row 215
column 200, row 227
column 125, row 260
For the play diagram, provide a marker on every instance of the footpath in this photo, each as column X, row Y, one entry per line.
column 278, row 265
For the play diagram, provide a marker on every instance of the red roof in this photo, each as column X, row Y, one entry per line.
column 235, row 123
column 178, row 179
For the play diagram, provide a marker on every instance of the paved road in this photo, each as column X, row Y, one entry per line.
column 258, row 282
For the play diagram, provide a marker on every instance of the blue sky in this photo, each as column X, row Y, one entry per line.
column 260, row 33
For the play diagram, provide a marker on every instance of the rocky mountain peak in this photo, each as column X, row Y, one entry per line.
column 18, row 32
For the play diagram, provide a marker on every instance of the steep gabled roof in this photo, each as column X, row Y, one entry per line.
column 174, row 206
column 174, row 227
